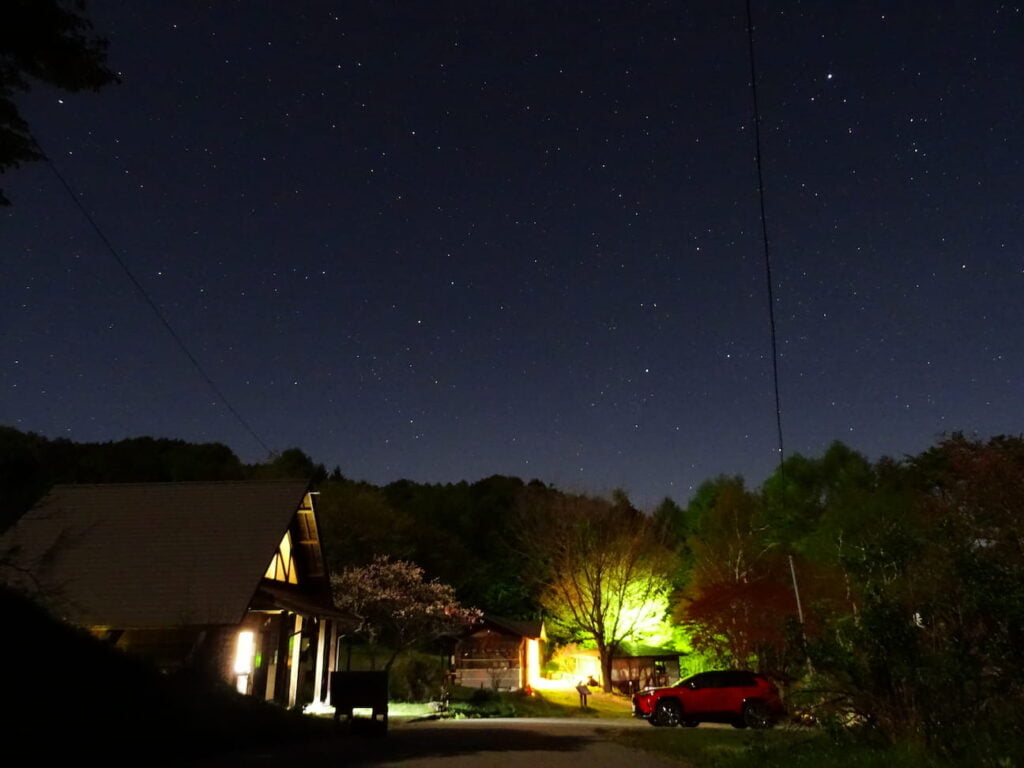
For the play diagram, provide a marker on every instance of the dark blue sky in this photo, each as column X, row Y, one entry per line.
column 445, row 240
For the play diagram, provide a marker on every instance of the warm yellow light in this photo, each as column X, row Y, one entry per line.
column 286, row 547
column 243, row 653
column 589, row 667
column 532, row 662
column 282, row 566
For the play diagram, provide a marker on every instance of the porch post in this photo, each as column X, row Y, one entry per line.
column 522, row 662
column 332, row 656
column 272, row 648
column 318, row 679
column 296, row 655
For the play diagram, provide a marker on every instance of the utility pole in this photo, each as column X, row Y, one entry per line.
column 796, row 591
column 800, row 612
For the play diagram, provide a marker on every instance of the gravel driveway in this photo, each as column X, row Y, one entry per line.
column 492, row 743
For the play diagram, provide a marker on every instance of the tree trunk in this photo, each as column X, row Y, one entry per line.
column 606, row 666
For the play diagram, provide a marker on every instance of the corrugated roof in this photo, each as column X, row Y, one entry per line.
column 523, row 628
column 152, row 555
column 637, row 651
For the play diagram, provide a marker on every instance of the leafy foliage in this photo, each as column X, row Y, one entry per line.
column 932, row 654
column 739, row 586
column 31, row 464
column 49, row 42
column 911, row 576
column 460, row 533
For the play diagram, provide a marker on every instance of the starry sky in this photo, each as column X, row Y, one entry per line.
column 442, row 240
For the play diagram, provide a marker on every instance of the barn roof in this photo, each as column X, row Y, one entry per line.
column 152, row 555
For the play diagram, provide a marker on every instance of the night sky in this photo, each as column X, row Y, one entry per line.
column 440, row 241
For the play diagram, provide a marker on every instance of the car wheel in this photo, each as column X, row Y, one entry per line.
column 668, row 713
column 755, row 714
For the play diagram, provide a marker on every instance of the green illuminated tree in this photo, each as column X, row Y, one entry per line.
column 603, row 572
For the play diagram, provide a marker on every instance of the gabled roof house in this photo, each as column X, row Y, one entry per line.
column 228, row 577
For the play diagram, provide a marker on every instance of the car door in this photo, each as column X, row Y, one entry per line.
column 734, row 688
column 700, row 693
column 717, row 696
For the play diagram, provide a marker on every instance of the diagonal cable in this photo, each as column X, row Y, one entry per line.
column 156, row 310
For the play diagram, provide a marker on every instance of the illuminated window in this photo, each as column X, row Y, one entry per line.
column 282, row 566
column 243, row 660
column 244, row 652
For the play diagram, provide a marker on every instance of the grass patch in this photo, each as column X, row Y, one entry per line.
column 483, row 702
column 599, row 704
column 779, row 748
column 411, row 709
column 713, row 746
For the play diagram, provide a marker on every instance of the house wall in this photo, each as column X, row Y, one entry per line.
column 169, row 650
column 633, row 673
column 284, row 665
column 496, row 679
column 204, row 650
column 489, row 659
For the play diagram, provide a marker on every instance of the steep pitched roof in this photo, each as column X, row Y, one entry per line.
column 152, row 555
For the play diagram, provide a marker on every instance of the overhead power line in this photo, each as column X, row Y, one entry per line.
column 764, row 234
column 771, row 306
column 156, row 310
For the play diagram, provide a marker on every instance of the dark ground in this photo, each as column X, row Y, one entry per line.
column 492, row 743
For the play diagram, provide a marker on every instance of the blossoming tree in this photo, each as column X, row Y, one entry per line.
column 396, row 607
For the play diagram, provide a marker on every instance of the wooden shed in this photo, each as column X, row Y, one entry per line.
column 634, row 667
column 637, row 667
column 498, row 653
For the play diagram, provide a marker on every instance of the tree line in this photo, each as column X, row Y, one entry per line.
column 31, row 464
column 887, row 592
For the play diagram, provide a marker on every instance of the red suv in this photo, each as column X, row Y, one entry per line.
column 741, row 698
